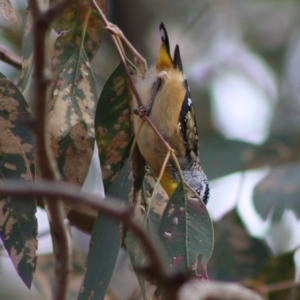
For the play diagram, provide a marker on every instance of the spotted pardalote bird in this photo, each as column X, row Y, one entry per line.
column 165, row 94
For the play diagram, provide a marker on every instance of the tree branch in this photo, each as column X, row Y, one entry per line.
column 72, row 194
column 190, row 290
column 45, row 160
column 10, row 58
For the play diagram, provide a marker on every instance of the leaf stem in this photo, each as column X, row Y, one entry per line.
column 10, row 58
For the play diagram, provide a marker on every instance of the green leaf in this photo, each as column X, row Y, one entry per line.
column 71, row 118
column 278, row 191
column 14, row 114
column 220, row 157
column 8, row 12
column 27, row 54
column 186, row 232
column 70, row 26
column 237, row 256
column 137, row 258
column 18, row 225
column 113, row 124
column 105, row 243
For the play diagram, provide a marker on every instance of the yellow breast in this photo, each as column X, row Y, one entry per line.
column 165, row 116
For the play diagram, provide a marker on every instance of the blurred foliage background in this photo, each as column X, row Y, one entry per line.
column 241, row 58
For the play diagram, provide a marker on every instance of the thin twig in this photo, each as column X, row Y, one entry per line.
column 284, row 285
column 10, row 58
column 107, row 24
column 162, row 170
column 46, row 162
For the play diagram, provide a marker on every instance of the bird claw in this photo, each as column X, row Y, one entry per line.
column 141, row 111
column 114, row 29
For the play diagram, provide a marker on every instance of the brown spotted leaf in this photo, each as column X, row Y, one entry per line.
column 14, row 114
column 27, row 54
column 113, row 124
column 70, row 25
column 8, row 12
column 71, row 118
column 186, row 232
column 18, row 225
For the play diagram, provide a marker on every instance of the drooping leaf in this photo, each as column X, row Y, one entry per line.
column 137, row 258
column 139, row 206
column 14, row 114
column 186, row 232
column 220, row 157
column 8, row 12
column 70, row 26
column 71, row 118
column 18, row 224
column 27, row 54
column 156, row 208
column 113, row 125
column 237, row 256
column 137, row 255
column 105, row 242
column 278, row 191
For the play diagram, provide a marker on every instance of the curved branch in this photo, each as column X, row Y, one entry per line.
column 72, row 194
column 173, row 286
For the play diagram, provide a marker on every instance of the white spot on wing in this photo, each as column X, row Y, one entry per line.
column 189, row 102
column 162, row 34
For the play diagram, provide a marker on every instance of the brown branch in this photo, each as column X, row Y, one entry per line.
column 72, row 194
column 172, row 287
column 10, row 58
column 45, row 160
